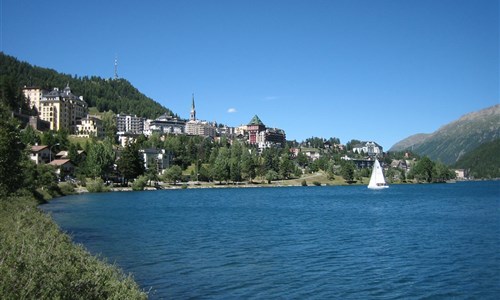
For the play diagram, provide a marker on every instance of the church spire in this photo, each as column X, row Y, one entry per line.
column 192, row 116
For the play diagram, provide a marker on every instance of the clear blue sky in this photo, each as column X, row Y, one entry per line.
column 371, row 70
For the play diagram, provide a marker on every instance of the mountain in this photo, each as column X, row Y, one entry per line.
column 450, row 142
column 117, row 95
column 482, row 162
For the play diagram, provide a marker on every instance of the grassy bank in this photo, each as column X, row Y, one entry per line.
column 38, row 261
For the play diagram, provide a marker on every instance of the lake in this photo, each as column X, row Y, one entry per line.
column 408, row 241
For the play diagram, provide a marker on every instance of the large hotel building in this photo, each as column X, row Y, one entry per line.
column 62, row 109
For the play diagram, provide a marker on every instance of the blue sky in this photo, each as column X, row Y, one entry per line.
column 376, row 70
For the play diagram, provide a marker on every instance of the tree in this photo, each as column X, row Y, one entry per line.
column 330, row 172
column 271, row 160
column 109, row 124
column 347, row 170
column 271, row 175
column 221, row 168
column 424, row 169
column 286, row 164
column 302, row 159
column 235, row 162
column 248, row 165
column 100, row 159
column 172, row 174
column 11, row 153
column 130, row 164
column 48, row 138
column 73, row 154
column 29, row 136
column 442, row 172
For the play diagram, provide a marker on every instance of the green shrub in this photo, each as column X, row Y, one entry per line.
column 317, row 183
column 38, row 261
column 67, row 188
column 96, row 186
column 140, row 183
column 304, row 182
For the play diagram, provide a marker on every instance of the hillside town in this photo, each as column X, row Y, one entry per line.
column 62, row 110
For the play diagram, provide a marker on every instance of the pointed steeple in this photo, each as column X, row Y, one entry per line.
column 192, row 115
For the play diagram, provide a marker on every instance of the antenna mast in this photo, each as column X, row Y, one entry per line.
column 116, row 68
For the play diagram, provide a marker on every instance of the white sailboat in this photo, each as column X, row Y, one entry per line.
column 377, row 180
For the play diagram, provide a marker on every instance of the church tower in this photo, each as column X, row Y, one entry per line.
column 192, row 115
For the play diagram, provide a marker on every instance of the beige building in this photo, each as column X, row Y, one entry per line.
column 197, row 127
column 34, row 95
column 61, row 109
column 90, row 126
column 202, row 128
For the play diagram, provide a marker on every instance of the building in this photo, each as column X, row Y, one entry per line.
column 34, row 96
column 40, row 154
column 90, row 126
column 197, row 127
column 63, row 167
column 166, row 124
column 462, row 174
column 156, row 158
column 62, row 109
column 368, row 148
column 64, row 154
column 253, row 128
column 271, row 137
column 129, row 124
column 226, row 131
column 258, row 134
column 201, row 128
column 312, row 155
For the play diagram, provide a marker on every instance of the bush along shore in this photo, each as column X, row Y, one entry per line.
column 38, row 261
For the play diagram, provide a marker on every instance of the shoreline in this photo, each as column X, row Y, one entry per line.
column 276, row 184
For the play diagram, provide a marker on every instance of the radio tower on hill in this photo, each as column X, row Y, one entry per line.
column 116, row 68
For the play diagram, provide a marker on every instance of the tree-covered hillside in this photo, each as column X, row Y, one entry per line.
column 450, row 142
column 118, row 95
column 482, row 162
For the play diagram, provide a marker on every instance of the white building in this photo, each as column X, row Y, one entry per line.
column 166, row 124
column 156, row 158
column 368, row 148
column 129, row 124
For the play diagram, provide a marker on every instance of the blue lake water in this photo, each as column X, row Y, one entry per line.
column 409, row 241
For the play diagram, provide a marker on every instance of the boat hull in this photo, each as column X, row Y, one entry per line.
column 378, row 187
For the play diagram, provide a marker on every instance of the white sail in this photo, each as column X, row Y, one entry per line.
column 377, row 180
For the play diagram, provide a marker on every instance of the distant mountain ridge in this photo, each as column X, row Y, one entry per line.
column 453, row 140
column 118, row 95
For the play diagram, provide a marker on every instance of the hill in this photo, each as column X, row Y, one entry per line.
column 117, row 95
column 450, row 142
column 482, row 162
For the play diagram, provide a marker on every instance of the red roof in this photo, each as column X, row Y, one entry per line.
column 38, row 148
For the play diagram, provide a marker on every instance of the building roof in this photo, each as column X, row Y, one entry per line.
column 37, row 148
column 62, row 153
column 256, row 121
column 59, row 162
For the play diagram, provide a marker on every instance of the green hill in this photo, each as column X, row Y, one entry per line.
column 482, row 162
column 449, row 143
column 117, row 95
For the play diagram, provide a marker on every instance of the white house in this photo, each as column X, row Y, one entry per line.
column 369, row 148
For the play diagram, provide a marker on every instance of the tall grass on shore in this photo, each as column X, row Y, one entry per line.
column 38, row 261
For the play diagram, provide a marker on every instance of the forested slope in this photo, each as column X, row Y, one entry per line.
column 118, row 95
